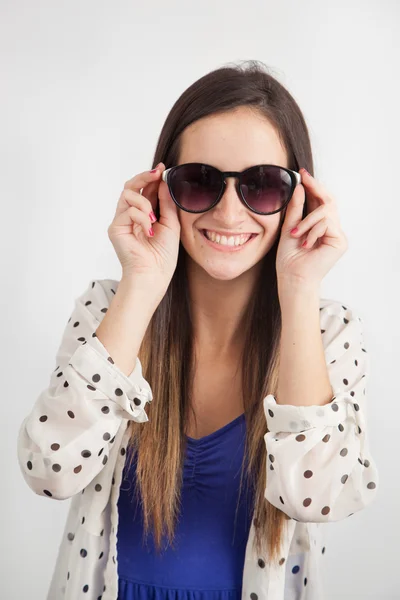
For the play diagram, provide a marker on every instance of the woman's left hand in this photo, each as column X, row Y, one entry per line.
column 320, row 229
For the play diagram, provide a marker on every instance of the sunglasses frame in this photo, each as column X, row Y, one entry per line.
column 295, row 178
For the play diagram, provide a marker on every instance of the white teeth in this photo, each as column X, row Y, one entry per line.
column 233, row 240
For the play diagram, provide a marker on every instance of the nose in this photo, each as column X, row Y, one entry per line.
column 230, row 204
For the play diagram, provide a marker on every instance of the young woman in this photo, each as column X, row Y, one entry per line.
column 218, row 319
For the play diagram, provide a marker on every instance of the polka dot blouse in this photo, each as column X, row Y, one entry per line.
column 73, row 445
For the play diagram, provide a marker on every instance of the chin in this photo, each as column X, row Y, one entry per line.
column 225, row 272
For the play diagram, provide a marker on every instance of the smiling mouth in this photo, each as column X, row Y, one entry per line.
column 227, row 246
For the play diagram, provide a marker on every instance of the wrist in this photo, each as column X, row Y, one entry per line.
column 295, row 292
column 296, row 285
column 147, row 289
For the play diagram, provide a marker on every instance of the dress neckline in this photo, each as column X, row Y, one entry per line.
column 217, row 433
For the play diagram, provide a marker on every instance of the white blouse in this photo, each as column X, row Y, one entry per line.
column 73, row 445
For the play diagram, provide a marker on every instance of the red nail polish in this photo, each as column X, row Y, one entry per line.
column 294, row 230
column 153, row 217
column 151, row 232
column 304, row 243
column 306, row 171
column 155, row 168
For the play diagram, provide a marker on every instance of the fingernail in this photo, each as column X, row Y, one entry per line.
column 153, row 217
column 305, row 170
column 155, row 169
column 151, row 232
column 295, row 230
column 304, row 243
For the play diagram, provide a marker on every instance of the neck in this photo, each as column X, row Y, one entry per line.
column 217, row 309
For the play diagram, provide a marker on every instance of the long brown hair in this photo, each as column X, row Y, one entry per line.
column 159, row 444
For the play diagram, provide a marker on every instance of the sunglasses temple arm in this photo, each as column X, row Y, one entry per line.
column 164, row 174
column 297, row 176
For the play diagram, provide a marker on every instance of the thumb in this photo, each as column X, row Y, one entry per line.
column 294, row 209
column 168, row 210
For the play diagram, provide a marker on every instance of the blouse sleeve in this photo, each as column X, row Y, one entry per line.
column 67, row 437
column 319, row 467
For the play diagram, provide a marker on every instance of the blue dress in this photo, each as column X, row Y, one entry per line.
column 208, row 559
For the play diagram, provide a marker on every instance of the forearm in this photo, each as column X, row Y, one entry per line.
column 303, row 374
column 123, row 327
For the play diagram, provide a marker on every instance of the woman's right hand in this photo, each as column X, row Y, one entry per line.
column 140, row 254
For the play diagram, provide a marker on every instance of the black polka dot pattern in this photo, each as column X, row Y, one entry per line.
column 78, row 439
column 60, row 439
column 327, row 438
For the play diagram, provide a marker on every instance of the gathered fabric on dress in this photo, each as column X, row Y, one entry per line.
column 208, row 558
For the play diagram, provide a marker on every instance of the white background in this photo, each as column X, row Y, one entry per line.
column 86, row 87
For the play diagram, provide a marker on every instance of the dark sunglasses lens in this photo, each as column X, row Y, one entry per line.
column 266, row 189
column 195, row 187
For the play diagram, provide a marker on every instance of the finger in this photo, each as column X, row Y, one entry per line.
column 318, row 231
column 140, row 180
column 129, row 198
column 169, row 212
column 315, row 188
column 294, row 209
column 131, row 217
column 150, row 192
column 148, row 187
column 309, row 221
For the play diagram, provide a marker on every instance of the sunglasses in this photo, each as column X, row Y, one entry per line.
column 264, row 189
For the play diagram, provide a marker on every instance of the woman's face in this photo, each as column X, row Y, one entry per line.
column 231, row 141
